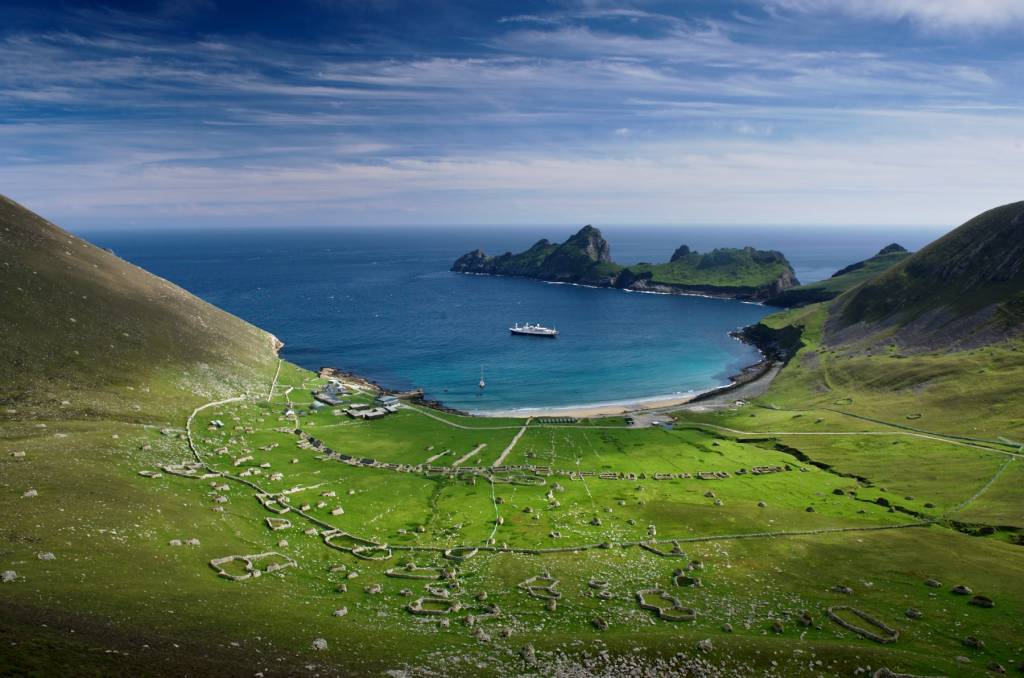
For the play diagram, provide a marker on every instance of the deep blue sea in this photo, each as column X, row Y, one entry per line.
column 381, row 302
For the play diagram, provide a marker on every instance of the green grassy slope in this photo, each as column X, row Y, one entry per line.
column 841, row 281
column 966, row 288
column 724, row 267
column 82, row 331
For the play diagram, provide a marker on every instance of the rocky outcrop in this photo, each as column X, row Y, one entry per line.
column 681, row 252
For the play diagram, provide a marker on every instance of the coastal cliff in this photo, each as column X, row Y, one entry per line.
column 585, row 259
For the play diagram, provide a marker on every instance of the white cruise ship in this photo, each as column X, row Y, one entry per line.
column 533, row 330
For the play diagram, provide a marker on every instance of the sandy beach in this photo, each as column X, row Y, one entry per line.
column 711, row 399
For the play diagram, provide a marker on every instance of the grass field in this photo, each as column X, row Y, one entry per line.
column 113, row 550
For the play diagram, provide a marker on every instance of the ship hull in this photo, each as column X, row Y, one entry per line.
column 546, row 335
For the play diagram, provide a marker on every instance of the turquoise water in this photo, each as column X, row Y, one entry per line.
column 381, row 303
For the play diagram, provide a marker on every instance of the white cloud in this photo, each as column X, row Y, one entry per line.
column 932, row 14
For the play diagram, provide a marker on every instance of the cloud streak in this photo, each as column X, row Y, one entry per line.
column 583, row 112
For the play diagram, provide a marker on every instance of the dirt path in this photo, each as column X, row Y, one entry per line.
column 508, row 449
column 984, row 488
column 273, row 384
column 472, row 453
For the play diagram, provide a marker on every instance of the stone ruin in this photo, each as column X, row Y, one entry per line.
column 276, row 524
column 445, row 606
column 188, row 469
column 372, row 552
column 274, row 504
column 413, row 571
column 668, row 606
column 652, row 546
column 251, row 568
column 887, row 635
column 541, row 587
column 460, row 553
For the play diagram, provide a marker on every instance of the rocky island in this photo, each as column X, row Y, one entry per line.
column 585, row 259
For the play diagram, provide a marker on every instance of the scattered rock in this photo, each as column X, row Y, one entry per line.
column 705, row 646
column 913, row 613
column 372, row 589
column 529, row 655
column 28, row 494
column 727, row 627
column 341, row 612
column 600, row 624
column 46, row 555
column 174, row 542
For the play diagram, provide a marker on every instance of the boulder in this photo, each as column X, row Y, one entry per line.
column 7, row 576
column 319, row 644
column 705, row 646
column 975, row 643
column 981, row 601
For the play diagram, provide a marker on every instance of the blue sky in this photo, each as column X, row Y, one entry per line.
column 310, row 112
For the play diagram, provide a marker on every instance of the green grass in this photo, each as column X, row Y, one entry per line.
column 727, row 267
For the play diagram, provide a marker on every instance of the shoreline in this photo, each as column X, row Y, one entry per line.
column 750, row 377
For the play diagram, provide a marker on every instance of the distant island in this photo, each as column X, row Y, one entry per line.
column 585, row 259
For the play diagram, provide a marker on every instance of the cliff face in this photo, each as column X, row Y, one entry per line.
column 585, row 258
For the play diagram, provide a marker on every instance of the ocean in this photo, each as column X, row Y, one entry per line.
column 381, row 302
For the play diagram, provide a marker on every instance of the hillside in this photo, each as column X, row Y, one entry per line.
column 840, row 281
column 585, row 259
column 935, row 339
column 77, row 320
column 966, row 289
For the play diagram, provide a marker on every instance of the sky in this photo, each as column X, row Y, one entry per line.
column 198, row 113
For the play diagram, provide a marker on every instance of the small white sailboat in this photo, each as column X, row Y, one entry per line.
column 482, row 382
